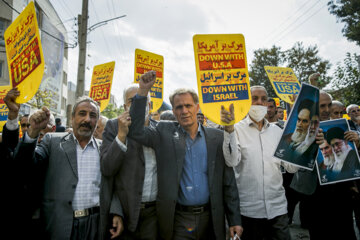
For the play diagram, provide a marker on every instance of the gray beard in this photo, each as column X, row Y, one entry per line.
column 329, row 161
column 298, row 137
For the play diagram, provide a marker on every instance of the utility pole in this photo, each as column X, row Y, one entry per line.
column 82, row 36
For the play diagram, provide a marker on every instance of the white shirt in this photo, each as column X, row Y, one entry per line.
column 257, row 172
column 150, row 186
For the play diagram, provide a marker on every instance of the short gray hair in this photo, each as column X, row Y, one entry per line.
column 350, row 107
column 103, row 120
column 129, row 88
column 181, row 91
column 337, row 103
column 85, row 99
column 323, row 92
column 52, row 120
column 259, row 87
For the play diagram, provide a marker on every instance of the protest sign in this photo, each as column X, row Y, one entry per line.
column 101, row 81
column 297, row 144
column 338, row 159
column 145, row 62
column 284, row 82
column 222, row 75
column 24, row 54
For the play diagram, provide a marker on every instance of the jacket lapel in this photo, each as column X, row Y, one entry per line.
column 69, row 147
column 211, row 155
column 179, row 144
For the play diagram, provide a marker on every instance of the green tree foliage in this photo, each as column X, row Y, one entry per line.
column 346, row 81
column 111, row 111
column 303, row 60
column 41, row 98
column 264, row 57
column 348, row 12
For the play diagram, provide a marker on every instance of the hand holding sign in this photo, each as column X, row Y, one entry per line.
column 13, row 107
column 146, row 81
column 228, row 117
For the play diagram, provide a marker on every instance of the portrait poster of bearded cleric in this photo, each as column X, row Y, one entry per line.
column 297, row 144
column 338, row 159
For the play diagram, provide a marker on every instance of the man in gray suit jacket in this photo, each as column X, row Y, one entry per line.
column 72, row 187
column 195, row 188
column 325, row 204
column 133, row 168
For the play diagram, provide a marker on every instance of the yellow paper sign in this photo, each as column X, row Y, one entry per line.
column 101, row 82
column 3, row 108
column 145, row 62
column 284, row 82
column 222, row 75
column 24, row 54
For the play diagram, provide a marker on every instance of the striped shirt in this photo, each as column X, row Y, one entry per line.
column 88, row 188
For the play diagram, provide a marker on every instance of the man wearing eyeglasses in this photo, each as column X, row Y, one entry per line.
column 353, row 111
column 24, row 123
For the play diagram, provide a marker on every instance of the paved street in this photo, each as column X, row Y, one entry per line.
column 298, row 233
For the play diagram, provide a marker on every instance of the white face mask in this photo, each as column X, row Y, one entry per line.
column 257, row 112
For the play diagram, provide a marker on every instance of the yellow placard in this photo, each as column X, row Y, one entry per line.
column 101, row 82
column 222, row 75
column 3, row 108
column 24, row 54
column 277, row 101
column 145, row 62
column 284, row 82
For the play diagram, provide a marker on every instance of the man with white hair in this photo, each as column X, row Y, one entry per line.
column 353, row 111
column 336, row 110
column 134, row 169
column 100, row 127
column 248, row 147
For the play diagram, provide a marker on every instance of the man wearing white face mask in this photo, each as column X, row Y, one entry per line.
column 248, row 147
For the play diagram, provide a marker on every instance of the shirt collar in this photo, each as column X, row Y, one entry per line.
column 250, row 122
column 92, row 142
column 199, row 132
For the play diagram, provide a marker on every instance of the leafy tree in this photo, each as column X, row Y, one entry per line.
column 348, row 12
column 346, row 80
column 111, row 111
column 305, row 61
column 41, row 98
column 264, row 57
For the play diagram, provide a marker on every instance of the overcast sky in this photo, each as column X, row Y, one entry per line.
column 166, row 27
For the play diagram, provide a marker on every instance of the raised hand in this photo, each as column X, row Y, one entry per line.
column 146, row 81
column 38, row 121
column 124, row 121
column 13, row 107
column 227, row 117
column 314, row 78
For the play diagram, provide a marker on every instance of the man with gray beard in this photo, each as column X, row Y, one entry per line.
column 353, row 111
column 346, row 161
column 328, row 156
column 300, row 145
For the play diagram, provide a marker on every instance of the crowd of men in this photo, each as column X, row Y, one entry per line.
column 171, row 175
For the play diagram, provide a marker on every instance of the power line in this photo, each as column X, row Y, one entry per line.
column 302, row 22
column 69, row 45
column 288, row 18
column 293, row 22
